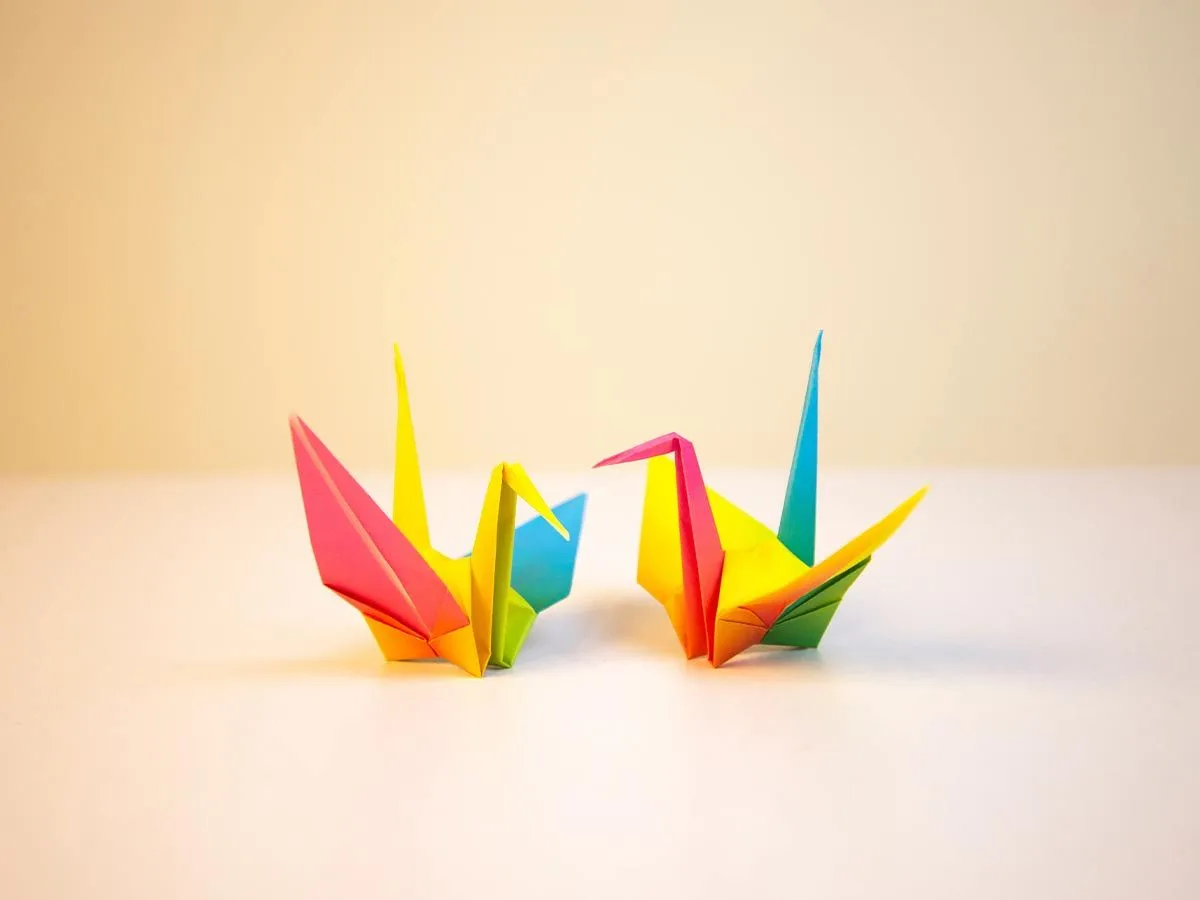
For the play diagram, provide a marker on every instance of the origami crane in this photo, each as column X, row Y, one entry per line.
column 726, row 581
column 474, row 611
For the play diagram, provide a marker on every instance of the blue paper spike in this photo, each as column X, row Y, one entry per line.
column 543, row 564
column 798, row 524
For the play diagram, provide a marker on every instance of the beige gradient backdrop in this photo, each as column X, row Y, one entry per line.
column 588, row 224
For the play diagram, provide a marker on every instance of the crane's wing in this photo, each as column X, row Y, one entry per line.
column 361, row 554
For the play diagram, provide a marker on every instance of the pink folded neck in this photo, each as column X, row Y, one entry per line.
column 703, row 557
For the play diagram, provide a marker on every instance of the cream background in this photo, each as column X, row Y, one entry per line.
column 588, row 224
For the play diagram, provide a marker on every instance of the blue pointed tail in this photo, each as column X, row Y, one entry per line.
column 798, row 524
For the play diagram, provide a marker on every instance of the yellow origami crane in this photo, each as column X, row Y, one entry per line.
column 474, row 611
column 726, row 580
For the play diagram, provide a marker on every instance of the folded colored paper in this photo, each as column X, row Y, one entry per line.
column 725, row 579
column 475, row 610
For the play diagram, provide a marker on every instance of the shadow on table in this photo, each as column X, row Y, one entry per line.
column 630, row 624
column 853, row 645
column 624, row 621
column 561, row 637
column 362, row 661
column 906, row 656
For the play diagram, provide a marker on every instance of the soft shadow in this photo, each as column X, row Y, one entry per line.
column 559, row 635
column 562, row 636
column 572, row 632
column 631, row 620
column 351, row 662
column 871, row 650
column 635, row 623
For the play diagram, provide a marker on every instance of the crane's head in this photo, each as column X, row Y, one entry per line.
column 513, row 475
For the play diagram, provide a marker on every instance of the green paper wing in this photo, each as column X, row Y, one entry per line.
column 803, row 623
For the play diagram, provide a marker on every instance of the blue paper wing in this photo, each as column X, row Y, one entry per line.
column 543, row 563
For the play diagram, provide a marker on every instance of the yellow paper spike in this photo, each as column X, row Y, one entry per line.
column 408, row 495
column 516, row 478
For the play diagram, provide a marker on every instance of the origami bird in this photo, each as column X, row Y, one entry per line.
column 474, row 611
column 726, row 581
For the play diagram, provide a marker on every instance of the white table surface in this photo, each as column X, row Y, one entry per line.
column 1006, row 705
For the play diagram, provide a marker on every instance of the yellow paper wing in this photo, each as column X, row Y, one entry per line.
column 738, row 529
column 754, row 572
